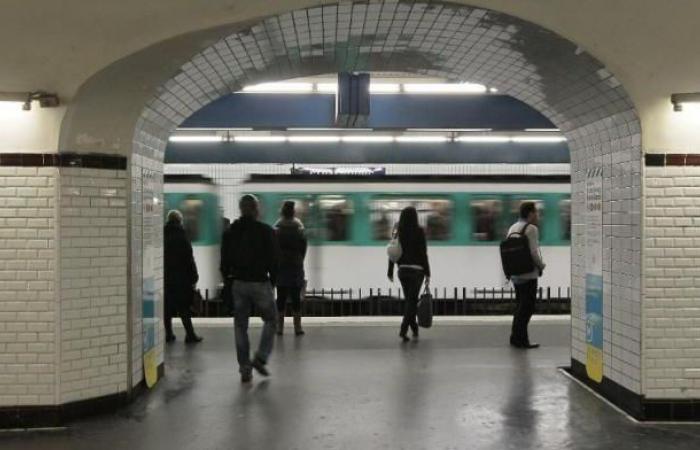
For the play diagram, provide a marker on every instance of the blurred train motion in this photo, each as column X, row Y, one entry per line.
column 349, row 220
column 197, row 198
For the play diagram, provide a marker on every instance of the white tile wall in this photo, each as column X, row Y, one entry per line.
column 672, row 283
column 93, row 277
column 28, row 307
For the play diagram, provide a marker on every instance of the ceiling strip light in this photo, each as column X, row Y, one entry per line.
column 259, row 138
column 183, row 138
column 444, row 88
column 279, row 88
column 313, row 139
column 482, row 139
column 422, row 139
column 367, row 139
column 538, row 139
column 384, row 88
column 542, row 130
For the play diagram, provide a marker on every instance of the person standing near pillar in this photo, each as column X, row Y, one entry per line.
column 249, row 256
column 180, row 273
column 526, row 284
column 290, row 278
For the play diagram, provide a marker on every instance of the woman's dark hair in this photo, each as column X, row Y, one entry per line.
column 408, row 224
column 526, row 208
column 288, row 209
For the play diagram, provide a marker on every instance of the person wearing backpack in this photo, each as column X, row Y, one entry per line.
column 249, row 258
column 409, row 251
column 290, row 278
column 526, row 283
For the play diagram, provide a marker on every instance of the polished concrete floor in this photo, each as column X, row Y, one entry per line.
column 358, row 387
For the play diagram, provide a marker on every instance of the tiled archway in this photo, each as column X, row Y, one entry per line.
column 460, row 43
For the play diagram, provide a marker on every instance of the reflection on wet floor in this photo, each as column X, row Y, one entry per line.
column 353, row 387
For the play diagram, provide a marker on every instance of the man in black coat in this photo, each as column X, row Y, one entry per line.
column 249, row 259
column 180, row 272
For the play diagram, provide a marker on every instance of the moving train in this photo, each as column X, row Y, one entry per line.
column 349, row 220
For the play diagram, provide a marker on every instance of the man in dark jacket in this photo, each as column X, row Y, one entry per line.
column 180, row 272
column 249, row 258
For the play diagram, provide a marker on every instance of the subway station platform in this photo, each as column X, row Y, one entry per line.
column 349, row 385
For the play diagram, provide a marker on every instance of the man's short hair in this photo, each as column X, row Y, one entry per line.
column 174, row 216
column 526, row 208
column 248, row 205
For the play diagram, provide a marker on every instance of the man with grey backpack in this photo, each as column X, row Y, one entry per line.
column 523, row 265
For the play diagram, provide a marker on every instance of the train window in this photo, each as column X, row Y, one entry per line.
column 487, row 220
column 336, row 211
column 565, row 212
column 539, row 204
column 192, row 210
column 434, row 215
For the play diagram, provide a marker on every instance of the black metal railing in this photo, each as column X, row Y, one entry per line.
column 389, row 302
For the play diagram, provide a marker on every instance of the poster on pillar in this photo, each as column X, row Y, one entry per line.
column 594, row 274
column 150, row 300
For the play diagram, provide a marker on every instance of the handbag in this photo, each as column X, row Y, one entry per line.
column 393, row 249
column 425, row 309
column 197, row 303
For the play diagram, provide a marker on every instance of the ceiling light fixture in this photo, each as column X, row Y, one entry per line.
column 444, row 88
column 203, row 138
column 680, row 100
column 313, row 139
column 279, row 88
column 483, row 139
column 538, row 139
column 384, row 88
column 422, row 139
column 367, row 139
column 542, row 130
column 257, row 139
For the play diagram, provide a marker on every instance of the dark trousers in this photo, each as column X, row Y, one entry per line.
column 411, row 282
column 293, row 294
column 185, row 315
column 525, row 296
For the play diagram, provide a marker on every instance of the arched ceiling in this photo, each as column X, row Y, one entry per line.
column 59, row 45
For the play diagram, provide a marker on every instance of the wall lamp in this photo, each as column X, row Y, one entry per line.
column 45, row 99
column 678, row 100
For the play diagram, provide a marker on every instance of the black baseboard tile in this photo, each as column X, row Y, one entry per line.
column 27, row 417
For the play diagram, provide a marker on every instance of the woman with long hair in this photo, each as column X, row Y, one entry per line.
column 413, row 267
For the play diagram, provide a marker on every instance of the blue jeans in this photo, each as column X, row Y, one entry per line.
column 246, row 295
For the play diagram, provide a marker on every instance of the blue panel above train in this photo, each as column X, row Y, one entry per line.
column 387, row 111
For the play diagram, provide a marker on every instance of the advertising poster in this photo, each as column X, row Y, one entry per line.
column 594, row 274
column 150, row 301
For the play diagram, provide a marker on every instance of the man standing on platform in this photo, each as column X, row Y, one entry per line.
column 249, row 257
column 526, row 284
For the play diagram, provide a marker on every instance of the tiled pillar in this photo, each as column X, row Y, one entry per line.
column 671, row 305
column 63, row 286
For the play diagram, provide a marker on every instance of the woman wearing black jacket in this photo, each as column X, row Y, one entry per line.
column 413, row 267
column 180, row 273
column 290, row 275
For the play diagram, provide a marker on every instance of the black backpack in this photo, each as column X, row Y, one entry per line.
column 515, row 254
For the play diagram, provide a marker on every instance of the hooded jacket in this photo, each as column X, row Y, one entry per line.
column 292, row 251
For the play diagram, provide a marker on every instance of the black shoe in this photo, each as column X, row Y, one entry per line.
column 530, row 345
column 259, row 366
column 193, row 339
column 170, row 338
column 246, row 377
column 404, row 337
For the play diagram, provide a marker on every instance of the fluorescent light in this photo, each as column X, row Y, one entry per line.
column 384, row 88
column 424, row 139
column 327, row 129
column 313, row 139
column 492, row 139
column 327, row 88
column 259, row 138
column 542, row 130
column 444, row 88
column 10, row 106
column 367, row 139
column 279, row 88
column 203, row 138
column 538, row 139
column 449, row 130
column 493, row 90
